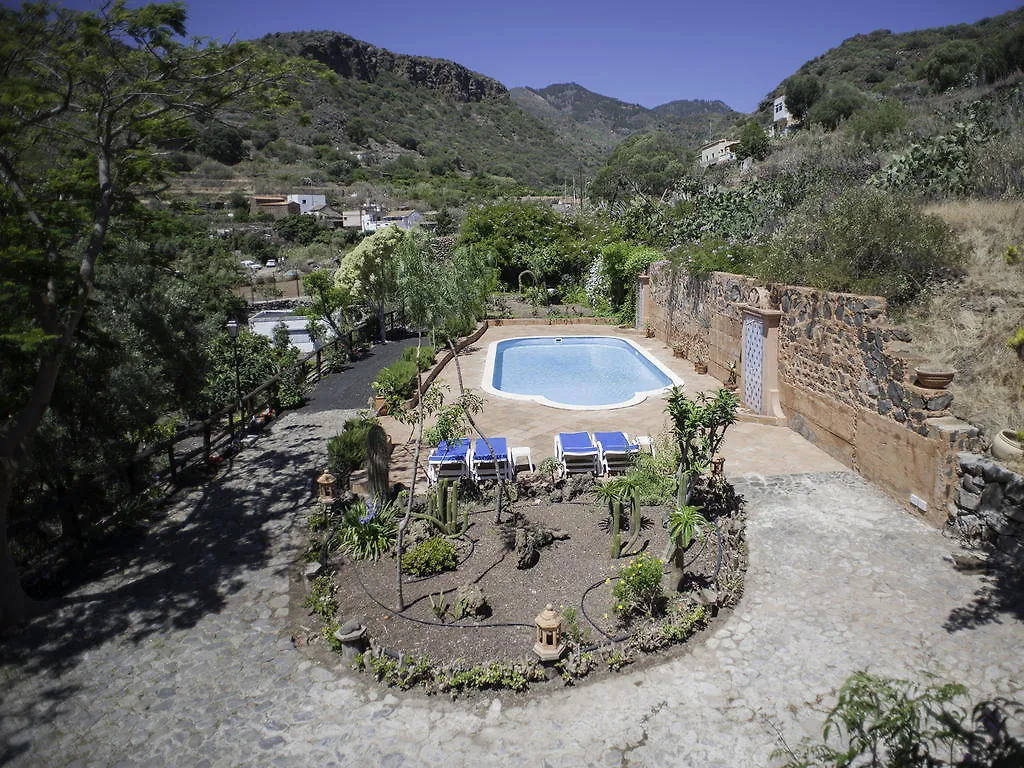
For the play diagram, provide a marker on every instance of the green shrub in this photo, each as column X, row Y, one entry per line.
column 368, row 532
column 397, row 380
column 435, row 555
column 638, row 591
column 864, row 241
column 347, row 452
column 427, row 357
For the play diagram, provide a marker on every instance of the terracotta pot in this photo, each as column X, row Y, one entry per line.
column 380, row 405
column 1005, row 446
column 678, row 352
column 700, row 367
column 934, row 378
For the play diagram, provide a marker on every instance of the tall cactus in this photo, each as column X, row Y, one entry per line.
column 443, row 509
column 378, row 456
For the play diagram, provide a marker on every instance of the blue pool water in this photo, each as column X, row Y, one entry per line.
column 580, row 371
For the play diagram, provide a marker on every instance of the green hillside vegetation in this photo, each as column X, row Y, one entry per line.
column 599, row 123
column 911, row 65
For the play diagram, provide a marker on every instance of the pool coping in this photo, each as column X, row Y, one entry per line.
column 639, row 397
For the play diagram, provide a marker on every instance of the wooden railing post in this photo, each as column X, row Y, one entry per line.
column 170, row 459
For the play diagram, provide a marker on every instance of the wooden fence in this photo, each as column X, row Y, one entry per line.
column 221, row 432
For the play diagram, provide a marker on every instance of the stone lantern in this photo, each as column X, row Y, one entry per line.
column 549, row 645
column 326, row 488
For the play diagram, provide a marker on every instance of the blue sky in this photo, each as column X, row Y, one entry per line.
column 648, row 52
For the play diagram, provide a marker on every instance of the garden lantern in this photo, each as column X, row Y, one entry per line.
column 549, row 645
column 326, row 487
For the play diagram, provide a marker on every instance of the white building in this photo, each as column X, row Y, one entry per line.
column 781, row 117
column 716, row 152
column 308, row 204
column 405, row 218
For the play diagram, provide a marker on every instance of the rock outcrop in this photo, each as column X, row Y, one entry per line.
column 354, row 58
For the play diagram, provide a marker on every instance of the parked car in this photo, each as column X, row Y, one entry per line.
column 271, row 263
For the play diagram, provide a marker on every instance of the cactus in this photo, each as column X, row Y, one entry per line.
column 616, row 521
column 635, row 521
column 378, row 456
column 443, row 509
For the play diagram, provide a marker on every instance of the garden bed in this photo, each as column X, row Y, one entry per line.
column 575, row 573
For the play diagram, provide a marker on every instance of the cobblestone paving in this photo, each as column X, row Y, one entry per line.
column 184, row 658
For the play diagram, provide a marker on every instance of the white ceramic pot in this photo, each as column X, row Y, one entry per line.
column 1005, row 446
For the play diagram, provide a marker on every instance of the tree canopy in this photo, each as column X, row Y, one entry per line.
column 88, row 100
column 801, row 91
column 367, row 272
column 645, row 162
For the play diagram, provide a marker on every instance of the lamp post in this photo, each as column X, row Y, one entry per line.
column 233, row 333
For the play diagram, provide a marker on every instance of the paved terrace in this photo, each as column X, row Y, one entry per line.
column 180, row 652
column 748, row 447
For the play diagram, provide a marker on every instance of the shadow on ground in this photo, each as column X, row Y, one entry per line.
column 1000, row 597
column 188, row 563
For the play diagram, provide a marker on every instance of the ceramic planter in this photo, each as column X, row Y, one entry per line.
column 380, row 404
column 1005, row 446
column 934, row 378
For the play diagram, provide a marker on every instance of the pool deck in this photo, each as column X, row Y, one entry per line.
column 750, row 448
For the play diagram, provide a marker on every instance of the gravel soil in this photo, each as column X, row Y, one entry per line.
column 563, row 574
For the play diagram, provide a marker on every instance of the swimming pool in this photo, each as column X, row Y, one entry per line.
column 574, row 372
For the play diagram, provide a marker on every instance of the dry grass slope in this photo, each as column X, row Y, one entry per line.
column 965, row 323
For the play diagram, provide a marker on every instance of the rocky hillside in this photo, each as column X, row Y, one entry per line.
column 599, row 123
column 404, row 119
column 358, row 60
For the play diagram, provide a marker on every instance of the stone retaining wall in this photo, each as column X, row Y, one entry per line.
column 988, row 507
column 844, row 375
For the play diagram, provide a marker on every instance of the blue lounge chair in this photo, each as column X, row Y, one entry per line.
column 449, row 460
column 484, row 466
column 615, row 450
column 576, row 452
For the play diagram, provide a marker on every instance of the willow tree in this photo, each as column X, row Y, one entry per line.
column 439, row 294
column 88, row 102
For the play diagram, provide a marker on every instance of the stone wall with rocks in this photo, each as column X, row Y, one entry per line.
column 988, row 508
column 845, row 375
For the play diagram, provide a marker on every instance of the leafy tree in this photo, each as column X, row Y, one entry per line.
column 367, row 272
column 753, row 142
column 512, row 230
column 648, row 163
column 951, row 64
column 836, row 105
column 85, row 99
column 223, row 143
column 300, row 229
column 801, row 91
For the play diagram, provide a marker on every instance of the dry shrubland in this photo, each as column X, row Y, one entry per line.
column 965, row 322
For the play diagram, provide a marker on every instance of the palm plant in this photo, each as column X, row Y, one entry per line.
column 684, row 523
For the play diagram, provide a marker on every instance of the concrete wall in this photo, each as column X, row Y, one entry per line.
column 844, row 376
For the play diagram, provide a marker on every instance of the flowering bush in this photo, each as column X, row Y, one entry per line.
column 368, row 531
column 638, row 591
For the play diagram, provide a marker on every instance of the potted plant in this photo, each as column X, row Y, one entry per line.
column 700, row 364
column 1008, row 445
column 679, row 349
column 931, row 377
column 648, row 331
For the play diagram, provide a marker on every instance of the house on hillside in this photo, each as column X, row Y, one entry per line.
column 275, row 206
column 364, row 218
column 329, row 216
column 782, row 120
column 308, row 204
column 403, row 218
column 718, row 152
